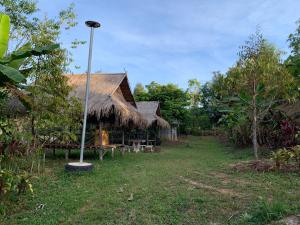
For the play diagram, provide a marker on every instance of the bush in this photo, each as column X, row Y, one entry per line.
column 12, row 183
column 277, row 130
column 283, row 157
column 296, row 154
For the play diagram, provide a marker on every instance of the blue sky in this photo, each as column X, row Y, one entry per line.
column 172, row 40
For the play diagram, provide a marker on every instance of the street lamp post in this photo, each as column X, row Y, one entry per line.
column 81, row 166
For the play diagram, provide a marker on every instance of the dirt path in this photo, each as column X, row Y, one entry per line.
column 208, row 187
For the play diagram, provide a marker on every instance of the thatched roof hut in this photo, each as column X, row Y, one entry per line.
column 110, row 98
column 150, row 110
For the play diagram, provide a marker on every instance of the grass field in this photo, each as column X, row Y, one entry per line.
column 186, row 183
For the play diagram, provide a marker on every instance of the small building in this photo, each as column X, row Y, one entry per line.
column 150, row 110
column 111, row 103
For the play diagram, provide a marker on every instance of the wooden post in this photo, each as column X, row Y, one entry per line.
column 147, row 137
column 112, row 152
column 100, row 154
column 100, row 134
column 67, row 154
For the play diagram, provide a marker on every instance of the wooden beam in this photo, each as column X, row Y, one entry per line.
column 100, row 133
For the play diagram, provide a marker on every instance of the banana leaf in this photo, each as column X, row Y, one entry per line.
column 16, row 58
column 4, row 33
column 18, row 62
column 9, row 74
column 25, row 51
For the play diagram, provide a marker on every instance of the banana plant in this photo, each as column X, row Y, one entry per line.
column 4, row 33
column 10, row 74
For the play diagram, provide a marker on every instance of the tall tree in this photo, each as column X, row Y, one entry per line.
column 259, row 81
column 293, row 61
column 194, row 92
column 51, row 109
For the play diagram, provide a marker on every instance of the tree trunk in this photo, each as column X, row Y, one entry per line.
column 254, row 134
column 33, row 132
column 254, row 122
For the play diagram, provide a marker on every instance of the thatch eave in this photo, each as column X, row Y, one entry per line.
column 151, row 112
column 110, row 94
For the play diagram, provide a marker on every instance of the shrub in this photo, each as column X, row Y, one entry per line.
column 12, row 183
column 281, row 156
column 296, row 154
column 284, row 156
column 277, row 130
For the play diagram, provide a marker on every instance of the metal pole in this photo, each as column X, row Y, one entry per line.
column 88, row 80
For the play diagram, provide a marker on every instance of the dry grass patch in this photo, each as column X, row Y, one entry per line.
column 224, row 191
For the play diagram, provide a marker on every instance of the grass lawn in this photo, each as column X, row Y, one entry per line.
column 187, row 183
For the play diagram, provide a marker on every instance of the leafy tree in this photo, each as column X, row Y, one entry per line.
column 212, row 93
column 173, row 100
column 197, row 117
column 140, row 92
column 258, row 82
column 50, row 109
column 194, row 92
column 293, row 61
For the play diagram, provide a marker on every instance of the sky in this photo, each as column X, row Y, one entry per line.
column 172, row 41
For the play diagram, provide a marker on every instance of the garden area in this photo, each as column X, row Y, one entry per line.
column 192, row 182
column 221, row 151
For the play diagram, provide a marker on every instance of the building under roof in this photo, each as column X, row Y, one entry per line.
column 150, row 110
column 110, row 98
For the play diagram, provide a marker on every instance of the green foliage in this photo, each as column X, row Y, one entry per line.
column 285, row 156
column 294, row 40
column 51, row 109
column 236, row 124
column 256, row 84
column 293, row 61
column 173, row 100
column 10, row 75
column 6, row 131
column 196, row 121
column 210, row 102
column 14, row 183
column 264, row 212
column 51, row 112
column 140, row 93
column 281, row 157
column 194, row 92
column 296, row 154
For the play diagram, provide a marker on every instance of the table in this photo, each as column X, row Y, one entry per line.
column 136, row 143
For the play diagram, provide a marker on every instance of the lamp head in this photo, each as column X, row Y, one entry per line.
column 93, row 24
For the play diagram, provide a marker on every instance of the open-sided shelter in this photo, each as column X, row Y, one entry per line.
column 150, row 111
column 111, row 103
